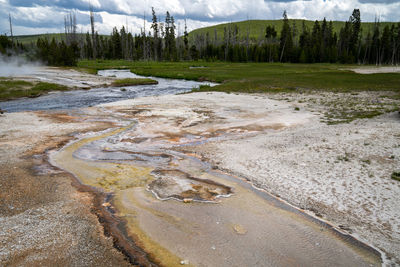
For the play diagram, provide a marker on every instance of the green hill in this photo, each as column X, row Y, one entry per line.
column 27, row 39
column 256, row 28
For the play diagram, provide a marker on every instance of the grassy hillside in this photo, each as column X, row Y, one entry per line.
column 27, row 39
column 256, row 28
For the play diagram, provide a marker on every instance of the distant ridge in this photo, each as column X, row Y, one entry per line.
column 27, row 39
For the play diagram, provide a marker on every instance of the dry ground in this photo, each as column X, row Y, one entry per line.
column 44, row 220
column 341, row 172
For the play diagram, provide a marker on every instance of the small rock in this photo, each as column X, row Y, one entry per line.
column 184, row 262
column 187, row 200
column 240, row 230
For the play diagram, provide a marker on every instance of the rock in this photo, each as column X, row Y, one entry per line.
column 184, row 262
column 187, row 200
column 239, row 229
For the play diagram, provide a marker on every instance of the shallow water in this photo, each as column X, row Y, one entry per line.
column 92, row 97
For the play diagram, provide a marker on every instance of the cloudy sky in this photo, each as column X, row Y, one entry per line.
column 42, row 16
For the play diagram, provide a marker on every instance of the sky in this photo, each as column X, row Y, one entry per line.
column 42, row 16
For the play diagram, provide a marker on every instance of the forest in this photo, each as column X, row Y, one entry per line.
column 320, row 44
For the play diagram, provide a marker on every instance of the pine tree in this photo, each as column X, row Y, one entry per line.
column 270, row 35
column 154, row 27
column 345, row 53
column 170, row 44
column 87, row 48
column 316, row 41
column 355, row 20
column 116, row 44
column 186, row 42
column 386, row 45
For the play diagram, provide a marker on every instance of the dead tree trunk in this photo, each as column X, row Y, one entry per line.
column 94, row 43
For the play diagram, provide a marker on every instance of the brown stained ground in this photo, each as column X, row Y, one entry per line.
column 44, row 220
column 58, row 117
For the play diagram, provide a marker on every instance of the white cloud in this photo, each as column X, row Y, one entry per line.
column 193, row 24
column 110, row 21
column 93, row 3
column 32, row 17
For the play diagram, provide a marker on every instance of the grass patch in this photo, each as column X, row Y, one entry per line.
column 46, row 87
column 346, row 116
column 133, row 82
column 396, row 176
column 11, row 89
column 343, row 158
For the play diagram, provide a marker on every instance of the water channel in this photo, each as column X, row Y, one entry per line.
column 86, row 98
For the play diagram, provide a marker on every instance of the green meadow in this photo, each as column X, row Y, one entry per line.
column 258, row 77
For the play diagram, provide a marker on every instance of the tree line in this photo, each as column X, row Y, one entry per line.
column 9, row 48
column 320, row 44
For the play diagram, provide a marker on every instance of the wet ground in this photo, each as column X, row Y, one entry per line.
column 182, row 211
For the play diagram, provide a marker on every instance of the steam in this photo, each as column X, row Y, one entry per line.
column 16, row 66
